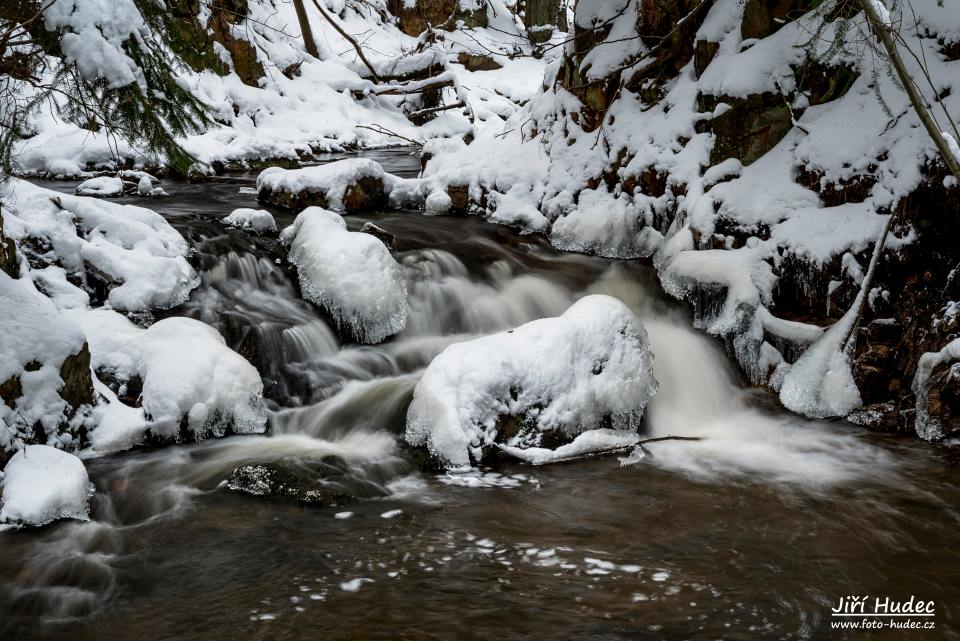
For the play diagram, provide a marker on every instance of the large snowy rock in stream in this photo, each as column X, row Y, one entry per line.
column 44, row 368
column 937, row 388
column 174, row 381
column 537, row 387
column 42, row 484
column 350, row 185
column 350, row 274
column 129, row 254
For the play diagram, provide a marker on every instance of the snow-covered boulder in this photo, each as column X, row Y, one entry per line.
column 351, row 185
column 42, row 484
column 44, row 366
column 349, row 274
column 936, row 385
column 258, row 220
column 129, row 251
column 101, row 187
column 536, row 386
column 176, row 380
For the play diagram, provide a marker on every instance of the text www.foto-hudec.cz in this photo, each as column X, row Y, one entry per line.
column 862, row 612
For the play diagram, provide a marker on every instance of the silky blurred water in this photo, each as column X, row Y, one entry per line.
column 754, row 532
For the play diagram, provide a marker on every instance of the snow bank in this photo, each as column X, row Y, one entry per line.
column 141, row 256
column 350, row 274
column 589, row 368
column 257, row 220
column 351, row 184
column 42, row 484
column 193, row 385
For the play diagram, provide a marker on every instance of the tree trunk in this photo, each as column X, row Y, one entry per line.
column 540, row 15
column 916, row 99
column 305, row 29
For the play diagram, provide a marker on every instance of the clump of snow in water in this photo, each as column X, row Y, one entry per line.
column 42, row 484
column 354, row 585
column 572, row 373
column 331, row 179
column 101, row 186
column 141, row 253
column 258, row 220
column 931, row 428
column 35, row 340
column 438, row 202
column 343, row 515
column 391, row 514
column 350, row 274
column 187, row 371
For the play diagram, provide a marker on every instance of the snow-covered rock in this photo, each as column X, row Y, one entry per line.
column 131, row 250
column 935, row 385
column 350, row 274
column 354, row 184
column 44, row 365
column 101, row 187
column 42, row 484
column 193, row 385
column 258, row 220
column 540, row 384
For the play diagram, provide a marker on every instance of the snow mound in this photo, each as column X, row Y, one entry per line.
column 42, row 484
column 258, row 220
column 350, row 274
column 193, row 385
column 352, row 184
column 139, row 255
column 587, row 369
column 101, row 187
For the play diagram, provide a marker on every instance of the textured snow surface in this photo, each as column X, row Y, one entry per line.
column 190, row 378
column 135, row 247
column 43, row 484
column 571, row 373
column 257, row 220
column 330, row 179
column 350, row 274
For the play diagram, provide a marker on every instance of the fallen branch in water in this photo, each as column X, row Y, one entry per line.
column 605, row 452
column 380, row 129
column 670, row 438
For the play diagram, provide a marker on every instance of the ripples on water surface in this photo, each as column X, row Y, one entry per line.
column 751, row 533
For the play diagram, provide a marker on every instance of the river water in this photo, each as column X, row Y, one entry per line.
column 754, row 532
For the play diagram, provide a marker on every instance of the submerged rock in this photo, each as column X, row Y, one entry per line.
column 325, row 482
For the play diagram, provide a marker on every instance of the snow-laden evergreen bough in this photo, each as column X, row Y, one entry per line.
column 351, row 275
column 587, row 371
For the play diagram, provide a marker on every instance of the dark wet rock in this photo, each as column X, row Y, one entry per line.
column 762, row 18
column 855, row 189
column 477, row 62
column 746, row 128
column 703, row 54
column 413, row 18
column 379, row 232
column 937, row 387
column 326, row 482
column 196, row 43
column 9, row 263
column 366, row 193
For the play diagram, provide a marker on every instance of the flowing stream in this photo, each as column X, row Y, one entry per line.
column 754, row 532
